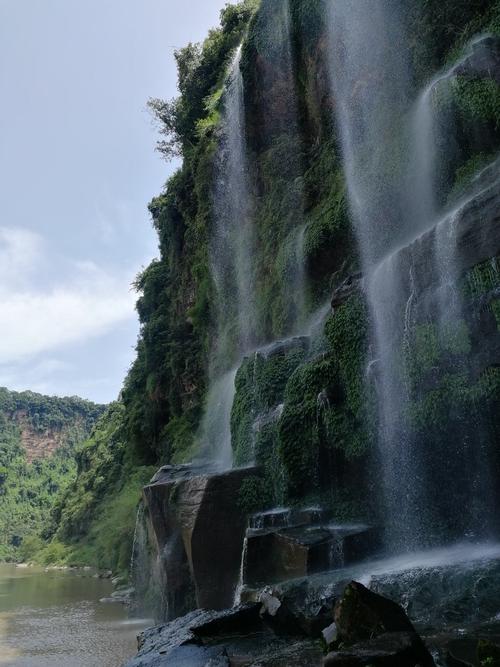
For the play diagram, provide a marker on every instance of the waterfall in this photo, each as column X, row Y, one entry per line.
column 390, row 209
column 232, row 251
column 232, row 243
column 216, row 423
column 370, row 84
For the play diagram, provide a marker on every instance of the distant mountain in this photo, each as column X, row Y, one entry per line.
column 39, row 436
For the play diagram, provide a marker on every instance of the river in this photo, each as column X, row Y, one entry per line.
column 54, row 619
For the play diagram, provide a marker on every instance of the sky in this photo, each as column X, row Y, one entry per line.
column 77, row 170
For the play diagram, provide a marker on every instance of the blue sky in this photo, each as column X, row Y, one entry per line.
column 77, row 169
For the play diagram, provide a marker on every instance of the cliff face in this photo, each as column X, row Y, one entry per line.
column 262, row 299
column 326, row 424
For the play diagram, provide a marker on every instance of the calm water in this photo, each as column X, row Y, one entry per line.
column 54, row 619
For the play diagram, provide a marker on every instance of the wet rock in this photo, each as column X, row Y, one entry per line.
column 311, row 607
column 277, row 615
column 392, row 649
column 476, row 239
column 162, row 644
column 451, row 661
column 191, row 655
column 350, row 286
column 483, row 61
column 361, row 614
column 330, row 634
column 377, row 631
column 244, row 617
column 270, row 603
column 299, row 551
column 236, row 637
column 197, row 530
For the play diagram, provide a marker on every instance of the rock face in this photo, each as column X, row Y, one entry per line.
column 239, row 637
column 376, row 631
column 197, row 530
column 285, row 544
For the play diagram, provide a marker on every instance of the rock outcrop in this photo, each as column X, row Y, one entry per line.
column 197, row 529
column 271, row 633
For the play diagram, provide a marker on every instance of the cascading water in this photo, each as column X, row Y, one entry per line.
column 216, row 424
column 370, row 84
column 232, row 264
column 391, row 208
column 232, row 244
column 233, row 250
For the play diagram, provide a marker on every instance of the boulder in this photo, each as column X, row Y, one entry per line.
column 361, row 614
column 377, row 631
column 197, row 531
column 392, row 649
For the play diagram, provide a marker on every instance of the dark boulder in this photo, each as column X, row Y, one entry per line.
column 361, row 614
column 392, row 649
column 238, row 637
column 377, row 632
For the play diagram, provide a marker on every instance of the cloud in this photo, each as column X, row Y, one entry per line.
column 48, row 301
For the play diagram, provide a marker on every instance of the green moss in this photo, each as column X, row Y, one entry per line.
column 495, row 307
column 482, row 278
column 326, row 404
column 456, row 338
column 454, row 396
column 253, row 495
column 260, row 386
column 479, row 99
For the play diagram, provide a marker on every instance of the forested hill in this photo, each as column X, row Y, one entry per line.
column 39, row 438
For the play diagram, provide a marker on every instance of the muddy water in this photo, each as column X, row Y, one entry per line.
column 55, row 619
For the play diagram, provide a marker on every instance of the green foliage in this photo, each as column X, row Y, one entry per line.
column 29, row 491
column 260, row 386
column 107, row 544
column 439, row 26
column 325, row 404
column 479, row 99
column 488, row 654
column 200, row 70
column 253, row 495
column 100, row 460
column 165, row 387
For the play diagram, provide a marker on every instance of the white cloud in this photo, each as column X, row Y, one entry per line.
column 47, row 301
